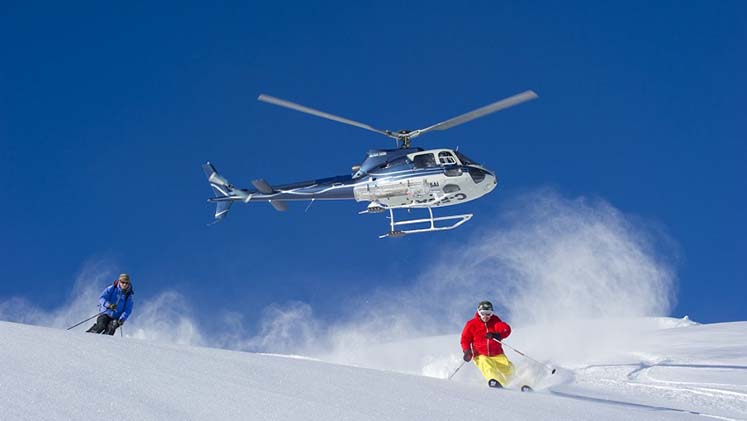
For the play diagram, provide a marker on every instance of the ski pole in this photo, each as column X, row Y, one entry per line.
column 525, row 355
column 78, row 324
column 457, row 369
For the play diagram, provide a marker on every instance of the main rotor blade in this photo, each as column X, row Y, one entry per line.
column 480, row 112
column 307, row 110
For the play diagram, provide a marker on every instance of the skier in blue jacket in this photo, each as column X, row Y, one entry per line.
column 115, row 304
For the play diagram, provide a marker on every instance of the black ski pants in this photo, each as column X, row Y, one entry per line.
column 104, row 325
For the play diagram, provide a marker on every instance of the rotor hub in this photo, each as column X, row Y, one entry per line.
column 404, row 137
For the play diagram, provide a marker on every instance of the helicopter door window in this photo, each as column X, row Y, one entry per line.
column 425, row 160
column 446, row 158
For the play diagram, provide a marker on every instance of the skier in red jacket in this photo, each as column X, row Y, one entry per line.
column 478, row 342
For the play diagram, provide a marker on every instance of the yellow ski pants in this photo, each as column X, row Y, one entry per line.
column 496, row 367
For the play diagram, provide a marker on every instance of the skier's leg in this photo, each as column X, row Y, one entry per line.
column 505, row 367
column 497, row 368
column 102, row 322
column 111, row 327
column 482, row 362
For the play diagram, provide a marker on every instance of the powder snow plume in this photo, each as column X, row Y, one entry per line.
column 553, row 258
column 546, row 260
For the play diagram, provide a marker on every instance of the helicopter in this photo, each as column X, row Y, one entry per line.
column 403, row 178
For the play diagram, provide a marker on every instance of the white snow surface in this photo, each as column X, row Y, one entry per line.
column 646, row 368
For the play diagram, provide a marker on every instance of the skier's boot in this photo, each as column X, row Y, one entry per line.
column 494, row 383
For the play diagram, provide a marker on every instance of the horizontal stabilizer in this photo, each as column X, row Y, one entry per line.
column 279, row 205
column 262, row 186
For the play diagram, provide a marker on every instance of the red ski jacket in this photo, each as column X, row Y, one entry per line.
column 473, row 335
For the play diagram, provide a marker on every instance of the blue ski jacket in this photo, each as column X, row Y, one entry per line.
column 114, row 294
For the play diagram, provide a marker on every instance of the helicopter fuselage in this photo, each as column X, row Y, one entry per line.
column 392, row 178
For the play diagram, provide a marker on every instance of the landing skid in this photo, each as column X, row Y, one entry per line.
column 394, row 232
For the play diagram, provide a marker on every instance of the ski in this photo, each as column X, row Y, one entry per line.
column 492, row 383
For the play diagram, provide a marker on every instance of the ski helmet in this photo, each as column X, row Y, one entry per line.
column 485, row 305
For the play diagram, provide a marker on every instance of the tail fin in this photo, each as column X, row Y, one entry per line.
column 220, row 185
column 225, row 193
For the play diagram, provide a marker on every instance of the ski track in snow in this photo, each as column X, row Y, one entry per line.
column 726, row 398
column 636, row 405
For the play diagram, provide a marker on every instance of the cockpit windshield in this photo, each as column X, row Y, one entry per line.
column 464, row 159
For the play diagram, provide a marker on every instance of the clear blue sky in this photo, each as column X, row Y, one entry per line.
column 108, row 110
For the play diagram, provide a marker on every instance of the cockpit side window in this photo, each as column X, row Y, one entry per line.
column 424, row 160
column 446, row 158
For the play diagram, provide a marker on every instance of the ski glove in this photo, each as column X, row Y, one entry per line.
column 494, row 335
column 111, row 306
column 467, row 355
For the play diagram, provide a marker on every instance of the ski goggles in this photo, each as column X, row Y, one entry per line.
column 485, row 312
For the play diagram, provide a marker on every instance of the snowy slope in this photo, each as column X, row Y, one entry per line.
column 701, row 368
column 672, row 370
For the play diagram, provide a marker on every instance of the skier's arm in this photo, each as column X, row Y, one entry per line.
column 467, row 343
column 105, row 297
column 504, row 329
column 466, row 338
column 127, row 311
